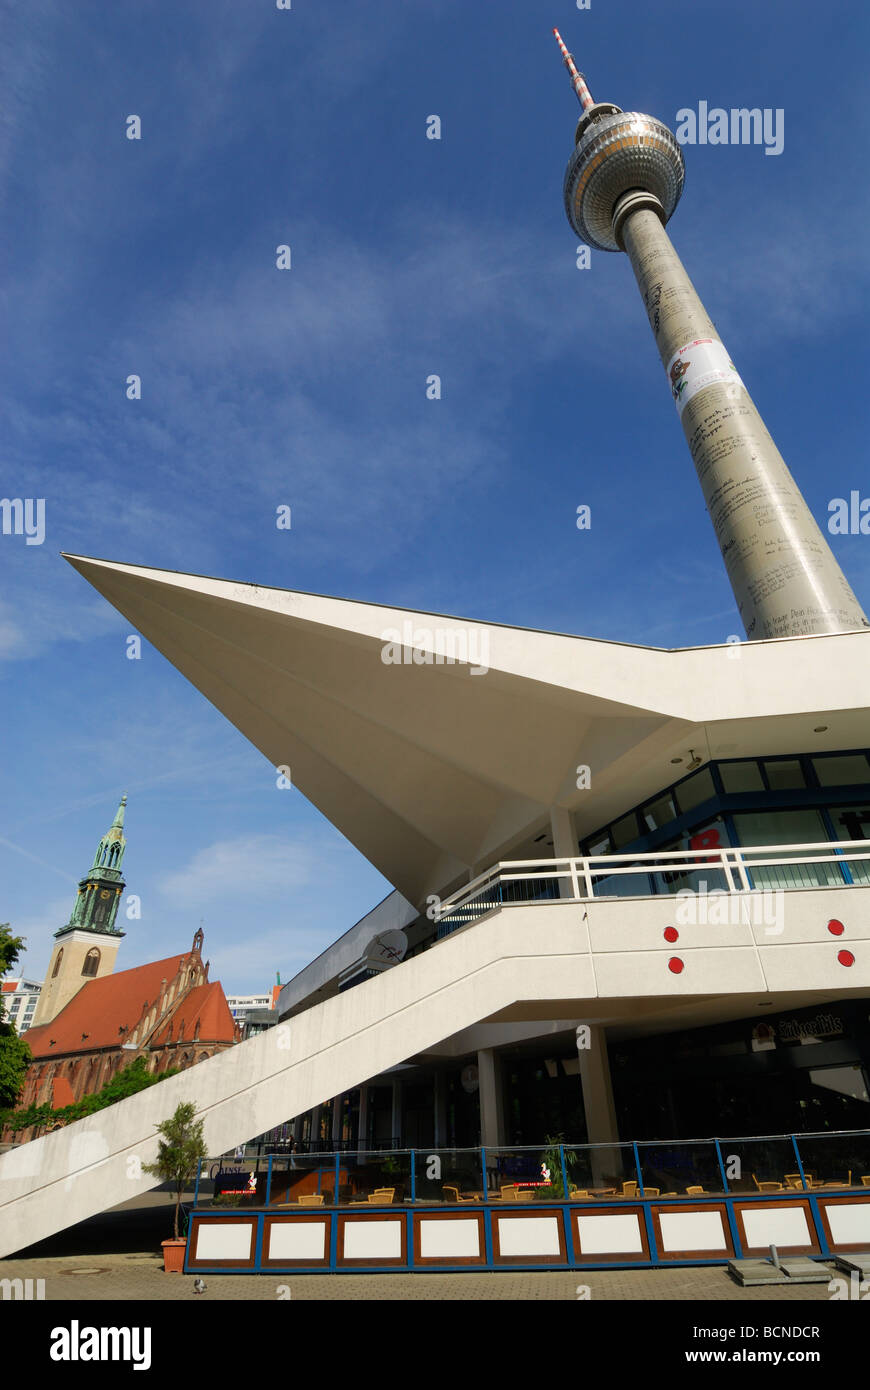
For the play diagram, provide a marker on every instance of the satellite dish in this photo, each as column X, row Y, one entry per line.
column 388, row 948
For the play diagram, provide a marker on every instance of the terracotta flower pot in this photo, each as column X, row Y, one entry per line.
column 173, row 1256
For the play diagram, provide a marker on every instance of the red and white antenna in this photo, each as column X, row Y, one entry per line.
column 578, row 82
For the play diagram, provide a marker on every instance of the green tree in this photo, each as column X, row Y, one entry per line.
column 127, row 1082
column 15, row 1055
column 180, row 1151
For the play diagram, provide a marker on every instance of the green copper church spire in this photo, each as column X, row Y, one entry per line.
column 99, row 893
column 110, row 850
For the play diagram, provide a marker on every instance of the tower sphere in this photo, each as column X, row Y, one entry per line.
column 618, row 153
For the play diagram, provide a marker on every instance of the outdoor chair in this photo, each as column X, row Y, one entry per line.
column 694, row 1190
column 847, row 1183
column 577, row 1193
column 767, row 1186
column 651, row 1191
column 524, row 1194
column 314, row 1199
column 382, row 1196
column 629, row 1189
column 793, row 1180
column 452, row 1194
column 507, row 1193
column 865, row 1179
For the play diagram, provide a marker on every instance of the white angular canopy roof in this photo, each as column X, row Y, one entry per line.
column 433, row 772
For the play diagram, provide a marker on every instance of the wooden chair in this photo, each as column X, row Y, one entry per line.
column 767, row 1186
column 694, row 1191
column 629, row 1189
column 382, row 1196
column 651, row 1191
column 793, row 1180
column 576, row 1194
column 457, row 1196
column 847, row 1183
column 865, row 1179
column 314, row 1199
column 525, row 1194
column 507, row 1193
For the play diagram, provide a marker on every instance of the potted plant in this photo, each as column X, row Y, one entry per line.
column 180, row 1150
column 552, row 1163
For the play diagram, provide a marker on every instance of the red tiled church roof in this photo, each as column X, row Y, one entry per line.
column 101, row 1007
column 205, row 1005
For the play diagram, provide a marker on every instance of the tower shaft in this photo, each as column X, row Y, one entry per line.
column 784, row 576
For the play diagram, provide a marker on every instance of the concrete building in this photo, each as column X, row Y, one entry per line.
column 254, row 1012
column 20, row 998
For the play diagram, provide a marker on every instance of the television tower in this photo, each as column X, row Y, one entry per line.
column 622, row 184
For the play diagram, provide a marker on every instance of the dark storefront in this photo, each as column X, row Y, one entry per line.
column 542, row 1096
column 796, row 1072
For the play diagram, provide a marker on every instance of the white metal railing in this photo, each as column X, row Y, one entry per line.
column 738, row 866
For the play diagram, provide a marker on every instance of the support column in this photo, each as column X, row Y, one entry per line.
column 362, row 1134
column 314, row 1141
column 491, row 1102
column 336, row 1121
column 396, row 1120
column 297, row 1130
column 440, row 1103
column 564, row 842
column 598, row 1106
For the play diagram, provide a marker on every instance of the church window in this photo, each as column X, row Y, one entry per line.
column 57, row 963
column 92, row 962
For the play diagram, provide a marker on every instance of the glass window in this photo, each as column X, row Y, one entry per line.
column 842, row 771
column 853, row 823
column 695, row 790
column 804, row 827
column 599, row 845
column 784, row 773
column 741, row 777
column 659, row 812
column 625, row 830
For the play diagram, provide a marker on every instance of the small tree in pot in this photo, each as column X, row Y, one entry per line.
column 181, row 1148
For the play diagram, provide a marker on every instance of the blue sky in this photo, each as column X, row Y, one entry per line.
column 306, row 387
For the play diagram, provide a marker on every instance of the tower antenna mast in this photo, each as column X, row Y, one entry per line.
column 578, row 81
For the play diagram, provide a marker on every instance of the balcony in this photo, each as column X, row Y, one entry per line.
column 705, row 873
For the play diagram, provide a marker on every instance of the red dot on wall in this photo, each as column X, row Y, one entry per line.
column 675, row 965
column 671, row 934
column 845, row 958
column 836, row 928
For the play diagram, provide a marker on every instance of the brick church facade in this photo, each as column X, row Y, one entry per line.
column 90, row 1021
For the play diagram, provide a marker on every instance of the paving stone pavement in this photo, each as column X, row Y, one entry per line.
column 140, row 1277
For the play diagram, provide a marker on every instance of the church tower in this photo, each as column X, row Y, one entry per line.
column 87, row 946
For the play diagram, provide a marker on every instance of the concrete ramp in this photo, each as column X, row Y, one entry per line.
column 67, row 1176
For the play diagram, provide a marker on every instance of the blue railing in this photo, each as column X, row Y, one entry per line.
column 631, row 1170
